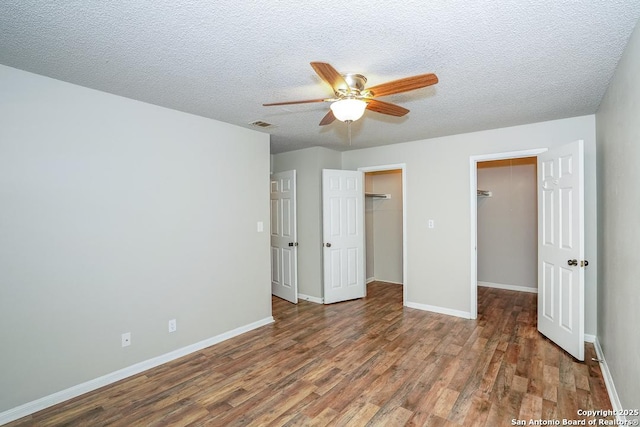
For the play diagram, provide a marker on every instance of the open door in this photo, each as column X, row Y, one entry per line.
column 343, row 235
column 561, row 247
column 284, row 245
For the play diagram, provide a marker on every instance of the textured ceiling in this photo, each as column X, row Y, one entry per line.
column 500, row 63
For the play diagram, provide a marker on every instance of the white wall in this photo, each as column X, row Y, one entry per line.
column 618, row 142
column 308, row 164
column 508, row 223
column 116, row 217
column 437, row 187
column 386, row 226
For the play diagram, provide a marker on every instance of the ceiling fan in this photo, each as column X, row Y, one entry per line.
column 352, row 98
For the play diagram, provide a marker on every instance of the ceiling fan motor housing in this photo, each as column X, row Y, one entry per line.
column 356, row 84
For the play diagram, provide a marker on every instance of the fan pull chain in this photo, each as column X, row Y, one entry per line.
column 349, row 126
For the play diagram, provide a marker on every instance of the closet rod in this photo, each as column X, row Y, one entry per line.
column 378, row 195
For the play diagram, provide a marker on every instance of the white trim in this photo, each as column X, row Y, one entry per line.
column 403, row 168
column 390, row 282
column 590, row 338
column 373, row 279
column 509, row 287
column 473, row 215
column 80, row 389
column 441, row 310
column 608, row 382
column 309, row 298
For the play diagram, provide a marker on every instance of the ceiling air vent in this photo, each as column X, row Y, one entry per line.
column 261, row 124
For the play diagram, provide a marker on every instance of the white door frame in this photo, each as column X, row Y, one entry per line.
column 473, row 199
column 403, row 168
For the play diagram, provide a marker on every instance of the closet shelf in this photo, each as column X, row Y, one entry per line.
column 378, row 195
column 484, row 193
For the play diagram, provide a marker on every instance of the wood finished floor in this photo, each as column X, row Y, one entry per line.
column 364, row 362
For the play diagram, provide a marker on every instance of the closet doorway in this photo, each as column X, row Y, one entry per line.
column 561, row 238
column 480, row 198
column 507, row 224
column 385, row 237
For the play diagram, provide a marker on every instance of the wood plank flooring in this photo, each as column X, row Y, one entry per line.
column 364, row 362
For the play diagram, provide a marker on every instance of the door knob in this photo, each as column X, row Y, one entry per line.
column 572, row 262
column 584, row 263
column 328, row 245
column 290, row 243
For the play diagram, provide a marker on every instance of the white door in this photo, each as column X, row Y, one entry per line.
column 343, row 235
column 561, row 247
column 284, row 245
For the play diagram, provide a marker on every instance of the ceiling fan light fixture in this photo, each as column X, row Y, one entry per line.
column 348, row 110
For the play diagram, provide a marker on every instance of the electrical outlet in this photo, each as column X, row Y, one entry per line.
column 432, row 223
column 173, row 325
column 126, row 339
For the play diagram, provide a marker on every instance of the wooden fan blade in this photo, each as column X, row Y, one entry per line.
column 386, row 108
column 308, row 101
column 331, row 76
column 328, row 119
column 403, row 85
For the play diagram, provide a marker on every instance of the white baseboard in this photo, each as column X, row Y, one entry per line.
column 310, row 298
column 441, row 310
column 508, row 287
column 80, row 389
column 589, row 338
column 390, row 282
column 373, row 279
column 608, row 382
